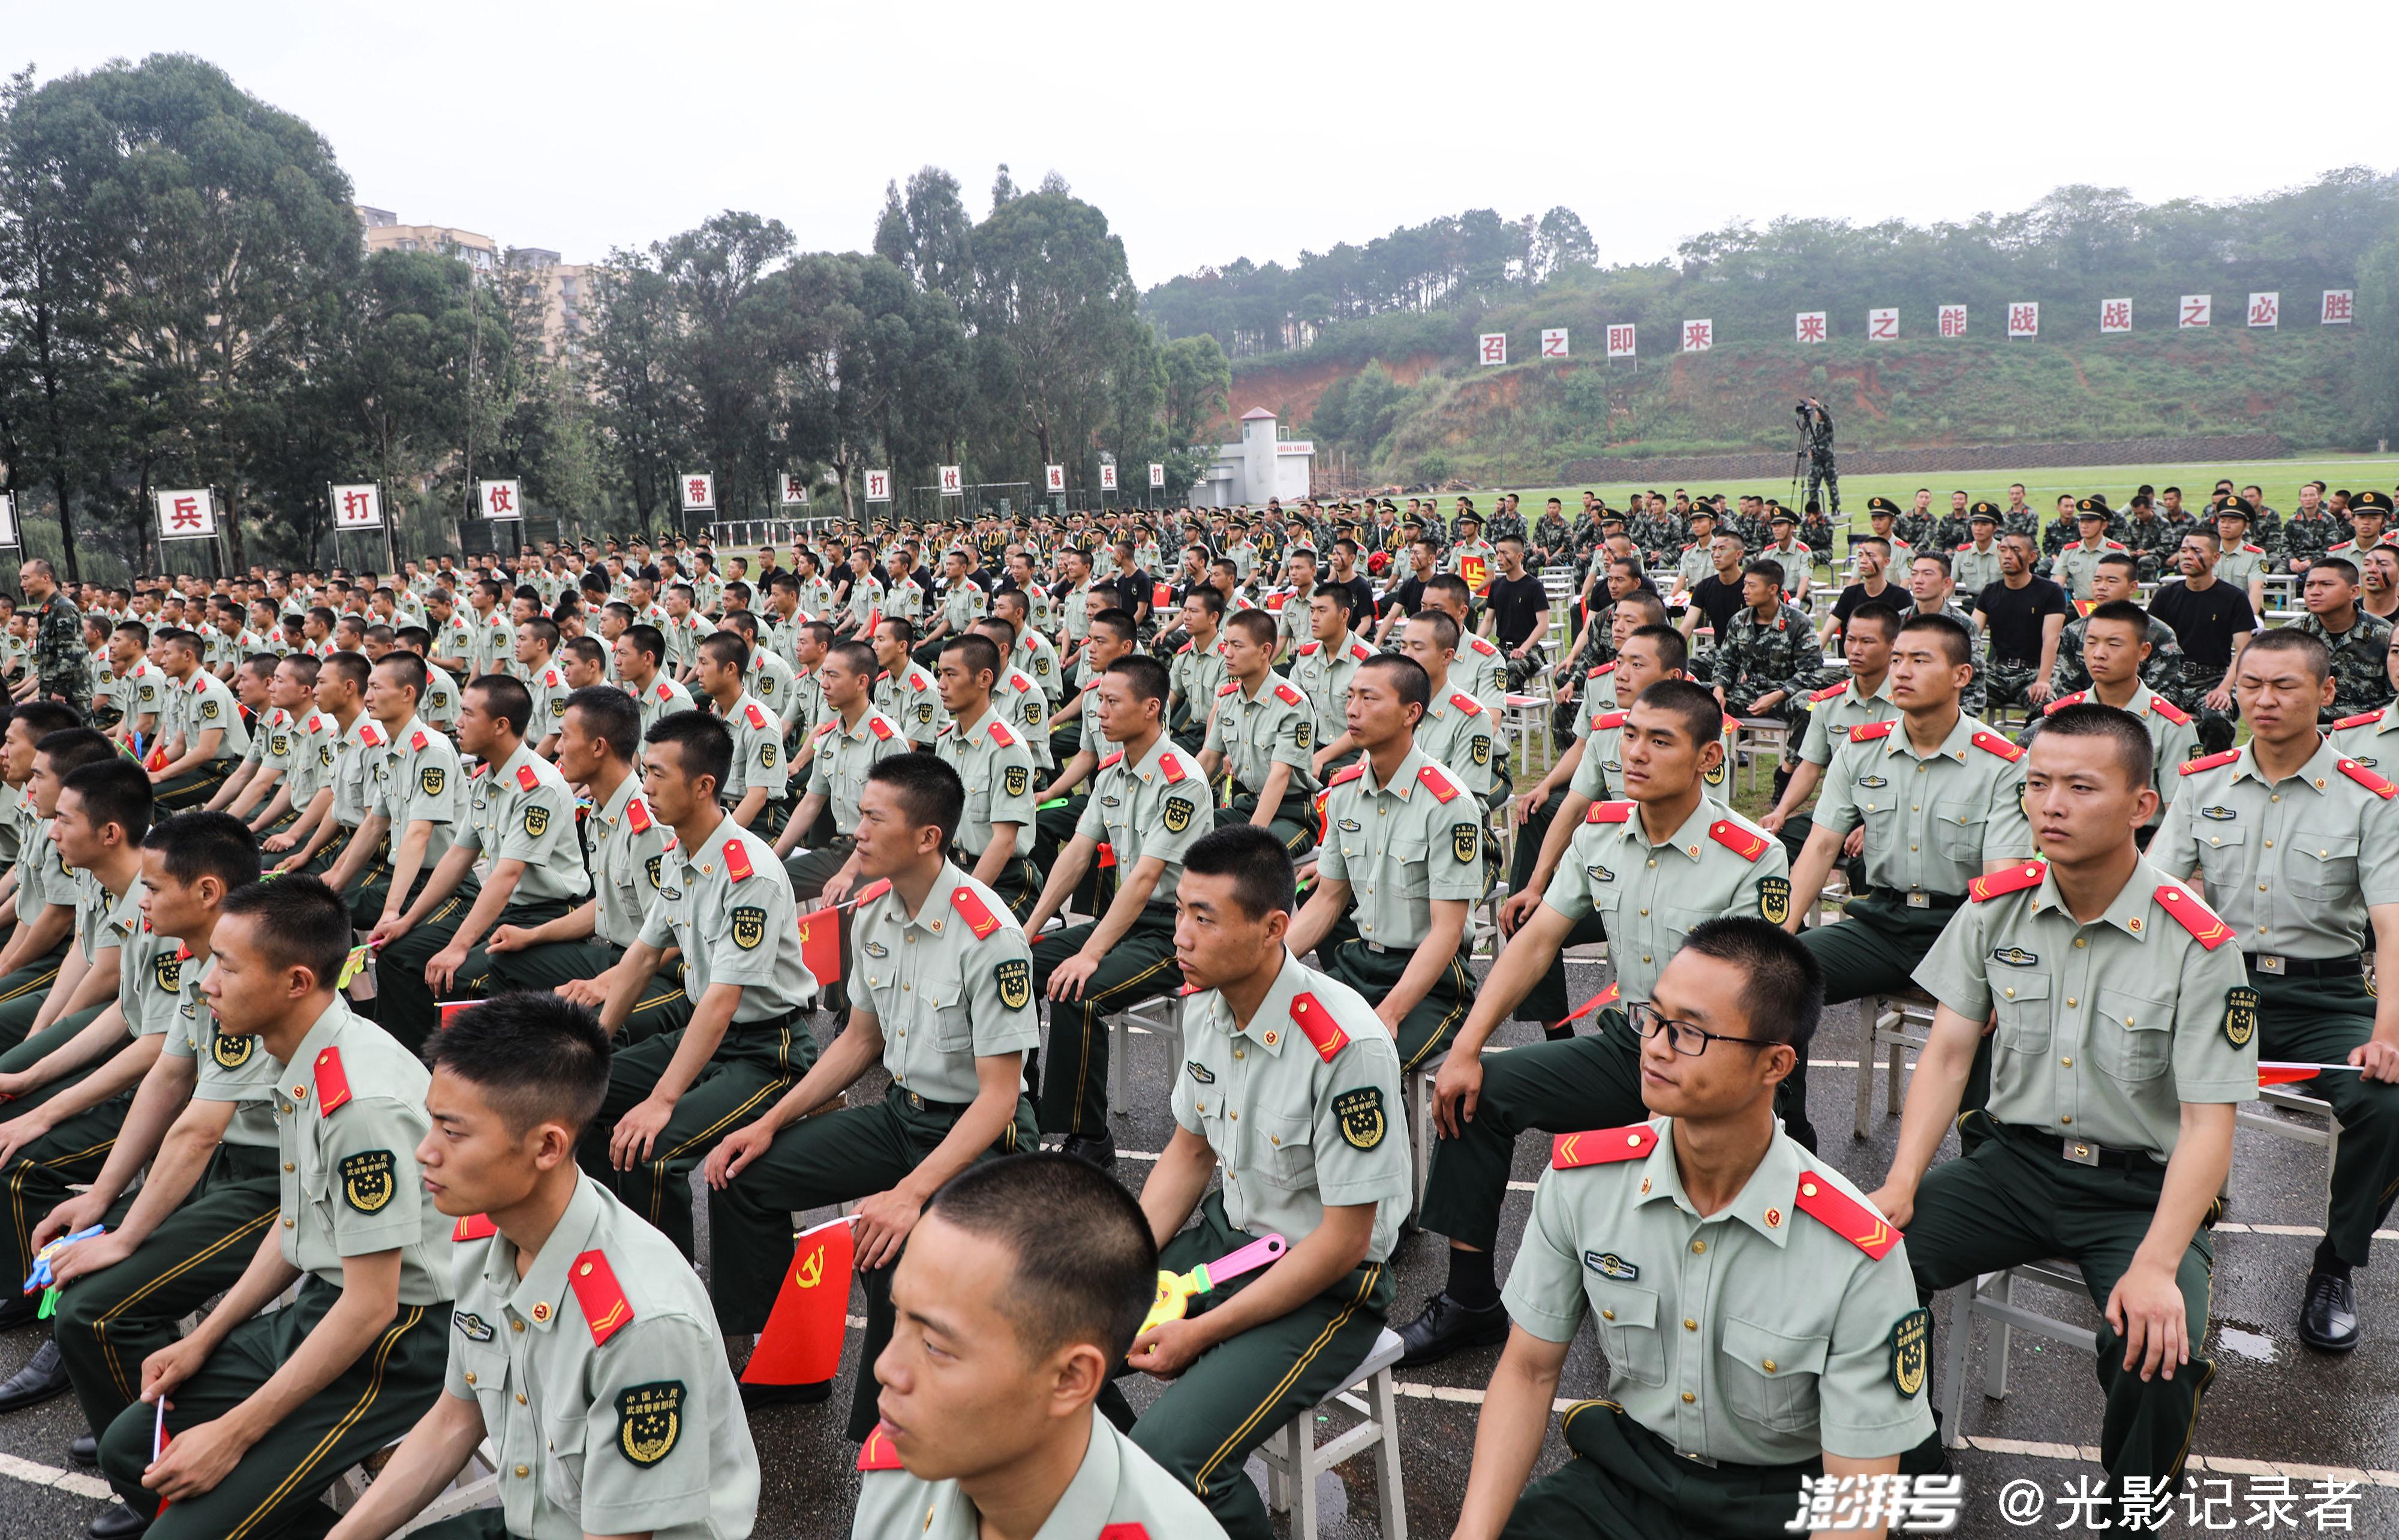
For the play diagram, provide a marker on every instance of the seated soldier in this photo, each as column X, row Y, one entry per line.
column 43, row 889
column 994, row 762
column 1260, row 737
column 755, row 791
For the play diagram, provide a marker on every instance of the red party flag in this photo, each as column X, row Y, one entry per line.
column 821, row 945
column 802, row 1343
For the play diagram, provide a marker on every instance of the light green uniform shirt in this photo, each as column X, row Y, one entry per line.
column 2173, row 737
column 1197, row 674
column 419, row 781
column 628, row 855
column 682, row 639
column 1974, row 569
column 2105, row 1030
column 549, row 690
column 1757, row 1335
column 1257, row 733
column 840, row 758
column 349, row 1112
column 997, row 768
column 13, row 820
column 205, row 704
column 908, row 697
column 105, row 921
column 1158, row 807
column 757, row 752
column 357, row 760
column 139, row 693
column 662, row 697
column 643, row 1433
column 1931, row 822
column 804, row 702
column 523, row 810
column 2074, row 568
column 1457, row 731
column 1718, row 864
column 1116, row 1484
column 1832, row 711
column 2372, row 740
column 964, row 605
column 1322, row 674
column 2236, row 566
column 1294, row 1128
column 226, row 1068
column 771, row 680
column 732, row 929
column 1021, row 702
column 43, row 875
column 943, row 997
column 1401, row 846
column 149, row 973
column 1036, row 655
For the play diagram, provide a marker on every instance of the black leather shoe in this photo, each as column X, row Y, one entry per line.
column 85, row 1452
column 1099, row 1149
column 2329, row 1320
column 1444, row 1326
column 46, row 1376
column 757, row 1397
column 115, row 1522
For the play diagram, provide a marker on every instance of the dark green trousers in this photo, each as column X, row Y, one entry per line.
column 1627, row 1483
column 755, row 1063
column 1425, row 1030
column 1294, row 822
column 21, row 994
column 840, row 1156
column 1874, row 948
column 45, row 1173
column 405, row 1003
column 110, row 1321
column 1576, row 1083
column 1019, row 885
column 1240, row 1393
column 660, row 1007
column 2015, row 1198
column 38, row 1047
column 1140, row 966
column 2317, row 1022
column 192, row 788
column 809, row 872
column 274, row 1489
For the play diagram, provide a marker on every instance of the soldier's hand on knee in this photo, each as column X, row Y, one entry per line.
column 86, row 1257
column 168, row 1368
column 1167, row 1349
column 79, row 1213
column 1068, row 982
column 2378, row 1059
column 506, row 939
column 884, row 1221
column 1455, row 1092
column 636, row 1132
column 1896, row 1204
column 734, row 1151
column 2146, row 1309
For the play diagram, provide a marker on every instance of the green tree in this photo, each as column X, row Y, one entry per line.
column 1055, row 315
column 2375, row 391
column 1198, row 382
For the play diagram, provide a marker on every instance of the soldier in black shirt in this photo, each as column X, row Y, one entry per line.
column 2213, row 621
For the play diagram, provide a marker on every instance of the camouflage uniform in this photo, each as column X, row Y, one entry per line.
column 2025, row 523
column 2360, row 681
column 2068, row 674
column 60, row 660
column 1977, row 693
column 1755, row 658
column 2308, row 540
column 1917, row 529
column 2151, row 542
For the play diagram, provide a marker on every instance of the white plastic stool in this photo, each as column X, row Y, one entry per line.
column 1896, row 1023
column 2289, row 1098
column 1161, row 1015
column 1294, row 1457
column 1992, row 1298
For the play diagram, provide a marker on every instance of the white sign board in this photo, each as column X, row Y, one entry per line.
column 1054, row 477
column 698, row 491
column 2194, row 310
column 2340, row 307
column 8, row 521
column 1953, row 321
column 1698, row 336
column 358, row 507
column 2266, row 310
column 187, row 515
column 1491, row 347
column 2023, row 319
column 1156, row 476
column 2115, row 316
column 1882, row 324
column 878, row 486
column 1809, row 326
column 1108, row 477
column 1620, row 341
column 1554, row 342
column 794, row 493
column 499, row 499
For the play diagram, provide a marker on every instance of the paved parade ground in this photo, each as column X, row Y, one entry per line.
column 2278, row 1418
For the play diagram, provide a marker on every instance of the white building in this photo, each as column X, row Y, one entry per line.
column 1260, row 466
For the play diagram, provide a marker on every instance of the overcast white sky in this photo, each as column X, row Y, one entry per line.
column 1208, row 132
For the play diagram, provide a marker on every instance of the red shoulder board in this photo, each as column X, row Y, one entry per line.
column 1602, row 1146
column 1991, row 743
column 1125, row 1531
column 332, row 1083
column 2254, row 550
column 605, row 1304
column 371, row 736
column 416, row 739
column 2169, row 711
column 1830, row 691
column 1852, row 1220
column 2015, row 878
column 1171, row 768
column 474, row 1227
column 977, row 914
column 1608, row 812
column 825, row 728
column 1227, row 687
column 2194, row 916
column 1349, row 775
column 736, row 861
column 2062, row 702
column 666, row 691
column 526, row 779
column 2358, row 721
column 1111, row 759
column 1188, row 645
column 2194, row 766
column 1325, row 1034
column 878, row 1452
column 1020, row 684
column 1360, row 651
column 478, row 771
column 1437, row 783
column 1288, row 695
column 757, row 717
column 1607, row 668
column 1967, row 546
column 550, row 677
column 1872, row 731
column 1486, row 647
column 1739, row 841
column 2368, row 780
column 879, row 727
column 637, row 812
column 2114, row 547
column 1310, row 650
column 873, row 891
column 1000, row 734
column 1608, row 720
column 1467, row 704
column 315, row 721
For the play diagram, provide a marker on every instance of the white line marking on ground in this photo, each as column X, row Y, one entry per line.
column 33, row 1474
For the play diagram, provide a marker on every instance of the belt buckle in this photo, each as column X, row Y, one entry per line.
column 1919, row 900
column 2274, row 964
column 1379, row 947
column 916, row 1102
column 2080, row 1152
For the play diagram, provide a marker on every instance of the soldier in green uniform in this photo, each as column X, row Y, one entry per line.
column 851, row 740
column 1021, row 1291
column 1936, row 792
column 1148, row 807
column 264, row 1406
column 2076, row 562
column 2365, row 737
column 1322, row 668
column 945, row 1003
column 1457, row 730
column 580, row 1346
column 1198, row 670
column 2356, row 641
column 725, row 901
column 1653, row 868
column 321, row 834
column 1291, row 1090
column 1976, row 564
column 414, row 797
column 521, row 818
column 2113, row 579
column 1260, row 737
column 995, row 763
column 1858, row 701
column 61, row 669
column 1760, row 1323
column 2298, row 849
column 46, row 888
column 1769, row 659
column 2117, row 652
column 755, row 791
column 903, row 690
column 200, row 723
column 2126, row 1034
column 638, row 652
column 1403, row 846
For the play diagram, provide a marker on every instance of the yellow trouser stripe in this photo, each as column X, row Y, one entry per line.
column 407, row 1322
column 1323, row 1340
column 99, row 1326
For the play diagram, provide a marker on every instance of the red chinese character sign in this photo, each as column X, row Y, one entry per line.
column 358, row 507
column 187, row 515
column 1811, row 326
column 1156, row 477
column 8, row 522
column 2266, row 310
column 2023, row 319
column 2340, row 307
column 953, row 482
column 698, row 490
column 1698, row 336
column 1620, row 341
column 2195, row 311
column 1554, row 342
column 499, row 499
column 1108, row 477
column 2115, row 316
column 1953, row 321
column 793, row 491
column 878, row 486
column 1882, row 325
column 1053, row 478
column 1491, row 347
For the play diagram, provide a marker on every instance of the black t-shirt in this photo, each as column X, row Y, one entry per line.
column 1361, row 601
column 2205, row 623
column 2013, row 617
column 1408, row 598
column 1517, row 603
column 1855, row 595
column 1717, row 599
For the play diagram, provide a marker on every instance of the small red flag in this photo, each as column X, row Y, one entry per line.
column 802, row 1343
column 821, row 945
column 449, row 1009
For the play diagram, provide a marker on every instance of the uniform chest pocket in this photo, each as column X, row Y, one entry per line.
column 2131, row 1035
column 1410, row 855
column 1770, row 1377
column 1628, row 1326
column 2322, row 865
column 2020, row 997
column 487, row 1374
column 1956, row 832
column 1282, row 1150
column 562, row 1453
column 941, row 1000
column 2223, row 851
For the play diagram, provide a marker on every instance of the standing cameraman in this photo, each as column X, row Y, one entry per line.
column 1816, row 428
